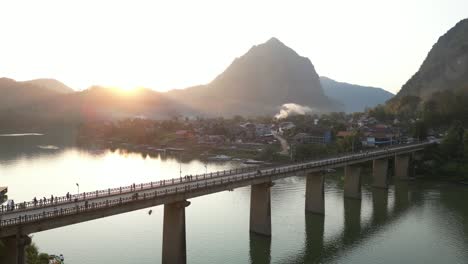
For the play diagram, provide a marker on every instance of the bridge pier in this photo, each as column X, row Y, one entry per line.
column 15, row 247
column 401, row 166
column 380, row 173
column 352, row 182
column 260, row 209
column 315, row 193
column 174, row 249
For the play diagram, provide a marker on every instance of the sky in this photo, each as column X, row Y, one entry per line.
column 176, row 44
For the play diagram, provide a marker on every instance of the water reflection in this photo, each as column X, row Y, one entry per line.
column 352, row 220
column 402, row 199
column 367, row 231
column 315, row 228
column 260, row 249
column 379, row 205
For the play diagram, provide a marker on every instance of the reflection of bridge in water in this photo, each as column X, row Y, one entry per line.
column 36, row 216
column 355, row 231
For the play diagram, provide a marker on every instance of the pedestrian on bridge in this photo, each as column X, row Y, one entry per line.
column 35, row 201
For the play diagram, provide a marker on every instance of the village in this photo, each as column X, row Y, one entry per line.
column 253, row 140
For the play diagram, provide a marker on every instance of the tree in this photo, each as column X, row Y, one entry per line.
column 452, row 145
column 465, row 146
column 34, row 257
column 419, row 130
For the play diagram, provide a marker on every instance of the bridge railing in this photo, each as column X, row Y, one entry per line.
column 45, row 202
column 59, row 200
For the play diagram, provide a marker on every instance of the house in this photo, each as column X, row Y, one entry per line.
column 343, row 134
column 184, row 134
column 262, row 130
column 379, row 135
column 212, row 139
column 313, row 138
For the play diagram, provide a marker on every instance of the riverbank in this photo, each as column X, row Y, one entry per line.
column 187, row 151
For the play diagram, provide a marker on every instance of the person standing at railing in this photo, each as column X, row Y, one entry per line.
column 35, row 201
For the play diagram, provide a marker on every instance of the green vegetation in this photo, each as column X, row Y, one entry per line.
column 34, row 257
column 449, row 159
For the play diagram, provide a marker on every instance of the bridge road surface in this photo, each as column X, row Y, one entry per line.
column 27, row 213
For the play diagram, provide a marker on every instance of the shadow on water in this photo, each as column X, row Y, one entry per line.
column 379, row 205
column 354, row 232
column 402, row 196
column 315, row 229
column 260, row 249
column 352, row 220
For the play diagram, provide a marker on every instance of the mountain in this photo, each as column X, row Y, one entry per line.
column 354, row 98
column 445, row 67
column 257, row 83
column 52, row 85
column 16, row 94
column 95, row 103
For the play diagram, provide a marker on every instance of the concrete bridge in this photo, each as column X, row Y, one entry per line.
column 35, row 216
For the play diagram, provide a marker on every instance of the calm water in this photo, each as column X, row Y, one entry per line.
column 418, row 222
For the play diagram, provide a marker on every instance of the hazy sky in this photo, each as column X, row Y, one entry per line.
column 176, row 44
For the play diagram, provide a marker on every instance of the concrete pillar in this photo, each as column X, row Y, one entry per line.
column 14, row 249
column 352, row 182
column 315, row 193
column 260, row 209
column 401, row 166
column 380, row 173
column 174, row 243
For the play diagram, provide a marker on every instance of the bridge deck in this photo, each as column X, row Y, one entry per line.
column 37, row 216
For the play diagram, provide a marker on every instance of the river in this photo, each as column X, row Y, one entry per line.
column 414, row 222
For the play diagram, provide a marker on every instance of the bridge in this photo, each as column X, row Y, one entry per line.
column 17, row 222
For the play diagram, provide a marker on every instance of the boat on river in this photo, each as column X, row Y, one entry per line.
column 220, row 158
column 251, row 161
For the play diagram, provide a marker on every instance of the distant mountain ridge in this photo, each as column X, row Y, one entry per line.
column 52, row 85
column 354, row 98
column 259, row 83
column 268, row 76
column 16, row 94
column 445, row 67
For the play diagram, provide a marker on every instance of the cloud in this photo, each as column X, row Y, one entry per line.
column 293, row 109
